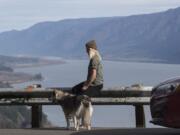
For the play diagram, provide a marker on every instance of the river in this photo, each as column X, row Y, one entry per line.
column 115, row 74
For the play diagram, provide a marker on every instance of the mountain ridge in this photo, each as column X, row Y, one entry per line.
column 147, row 37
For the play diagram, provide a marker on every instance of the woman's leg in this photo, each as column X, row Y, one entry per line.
column 93, row 90
column 77, row 89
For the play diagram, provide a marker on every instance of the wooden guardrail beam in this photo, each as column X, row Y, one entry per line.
column 49, row 93
column 45, row 96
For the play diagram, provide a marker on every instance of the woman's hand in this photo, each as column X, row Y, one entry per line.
column 85, row 86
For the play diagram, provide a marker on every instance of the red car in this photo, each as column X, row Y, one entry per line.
column 165, row 103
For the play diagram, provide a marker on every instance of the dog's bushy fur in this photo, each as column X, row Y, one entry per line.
column 78, row 108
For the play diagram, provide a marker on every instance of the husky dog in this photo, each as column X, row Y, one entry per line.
column 78, row 108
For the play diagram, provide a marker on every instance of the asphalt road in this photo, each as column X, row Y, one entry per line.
column 97, row 131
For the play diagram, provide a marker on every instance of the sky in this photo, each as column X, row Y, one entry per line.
column 21, row 14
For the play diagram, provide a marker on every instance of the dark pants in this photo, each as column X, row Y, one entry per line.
column 91, row 91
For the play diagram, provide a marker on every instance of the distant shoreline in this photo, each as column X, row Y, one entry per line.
column 9, row 78
column 136, row 61
column 40, row 64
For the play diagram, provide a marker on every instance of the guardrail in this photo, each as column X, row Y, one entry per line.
column 36, row 97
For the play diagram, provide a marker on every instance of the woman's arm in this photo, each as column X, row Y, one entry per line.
column 91, row 78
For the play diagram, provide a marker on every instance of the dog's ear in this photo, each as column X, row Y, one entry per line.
column 59, row 95
column 54, row 93
column 67, row 94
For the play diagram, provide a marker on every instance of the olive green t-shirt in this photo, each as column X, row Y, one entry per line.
column 95, row 63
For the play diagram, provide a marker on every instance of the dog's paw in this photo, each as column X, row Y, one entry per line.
column 77, row 128
column 89, row 128
column 82, row 126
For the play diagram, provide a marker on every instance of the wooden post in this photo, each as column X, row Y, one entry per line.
column 140, row 117
column 36, row 116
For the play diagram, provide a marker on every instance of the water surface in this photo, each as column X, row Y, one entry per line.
column 115, row 74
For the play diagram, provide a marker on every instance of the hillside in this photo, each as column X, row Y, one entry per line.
column 8, row 63
column 18, row 117
column 149, row 37
column 27, row 61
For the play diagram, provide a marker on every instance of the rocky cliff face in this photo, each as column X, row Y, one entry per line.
column 18, row 117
